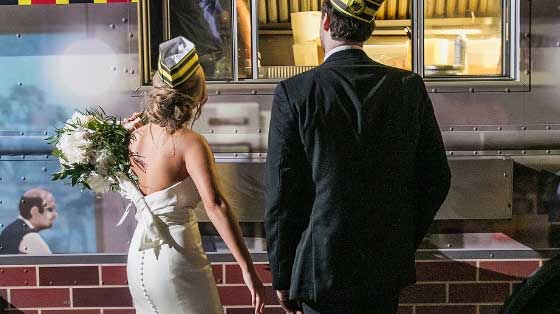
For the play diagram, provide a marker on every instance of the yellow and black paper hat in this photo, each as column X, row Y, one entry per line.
column 363, row 10
column 178, row 61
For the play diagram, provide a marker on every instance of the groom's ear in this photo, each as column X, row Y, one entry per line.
column 326, row 22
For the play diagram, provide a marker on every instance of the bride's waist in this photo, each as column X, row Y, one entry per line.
column 175, row 216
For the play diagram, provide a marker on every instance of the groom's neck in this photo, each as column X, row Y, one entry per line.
column 330, row 44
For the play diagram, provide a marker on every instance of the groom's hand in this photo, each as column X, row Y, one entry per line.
column 289, row 306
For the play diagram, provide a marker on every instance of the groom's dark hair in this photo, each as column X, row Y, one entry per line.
column 344, row 27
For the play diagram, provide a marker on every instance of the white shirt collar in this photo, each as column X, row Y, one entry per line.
column 27, row 222
column 341, row 48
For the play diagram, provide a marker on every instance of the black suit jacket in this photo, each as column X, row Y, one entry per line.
column 355, row 173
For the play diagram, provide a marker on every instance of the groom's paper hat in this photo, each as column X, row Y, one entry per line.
column 178, row 61
column 363, row 10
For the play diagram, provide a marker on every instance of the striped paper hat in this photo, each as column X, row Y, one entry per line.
column 178, row 61
column 363, row 10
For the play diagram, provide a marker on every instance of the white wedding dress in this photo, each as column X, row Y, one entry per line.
column 169, row 272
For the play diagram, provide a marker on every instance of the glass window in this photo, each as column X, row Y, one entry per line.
column 463, row 38
column 289, row 36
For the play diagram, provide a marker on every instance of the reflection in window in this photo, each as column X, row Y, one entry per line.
column 463, row 37
column 207, row 23
column 289, row 36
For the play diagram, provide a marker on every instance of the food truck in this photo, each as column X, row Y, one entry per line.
column 490, row 67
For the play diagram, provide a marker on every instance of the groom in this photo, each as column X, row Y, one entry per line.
column 356, row 171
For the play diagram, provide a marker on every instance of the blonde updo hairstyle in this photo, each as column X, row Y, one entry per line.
column 174, row 108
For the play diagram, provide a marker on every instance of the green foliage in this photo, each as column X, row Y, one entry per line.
column 105, row 134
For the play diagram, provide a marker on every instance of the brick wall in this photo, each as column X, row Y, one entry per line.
column 444, row 287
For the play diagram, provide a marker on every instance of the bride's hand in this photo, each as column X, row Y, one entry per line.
column 134, row 122
column 256, row 287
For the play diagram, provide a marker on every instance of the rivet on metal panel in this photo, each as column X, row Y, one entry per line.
column 449, row 245
column 235, row 131
column 471, row 90
column 22, row 156
column 218, row 92
column 548, row 127
column 475, row 128
column 259, row 131
column 509, row 205
column 526, row 35
column 235, row 155
column 114, row 68
column 524, row 152
column 132, row 71
column 505, row 175
column 558, row 44
column 26, row 283
column 20, row 84
column 25, row 248
column 21, row 133
column 500, row 128
column 507, row 90
column 548, row 151
column 434, row 90
column 1, row 225
column 75, row 282
column 492, row 255
column 450, row 153
column 18, row 35
column 499, row 152
column 451, row 129
column 46, row 156
column 475, row 152
column 211, row 131
column 124, row 20
column 112, row 26
column 45, row 133
column 130, row 35
column 25, row 270
column 44, row 169
column 523, row 128
column 125, row 70
column 254, row 92
column 22, row 178
column 50, row 283
column 527, row 72
column 259, row 154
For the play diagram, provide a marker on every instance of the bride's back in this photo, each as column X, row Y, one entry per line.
column 158, row 157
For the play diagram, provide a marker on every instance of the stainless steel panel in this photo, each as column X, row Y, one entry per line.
column 480, row 189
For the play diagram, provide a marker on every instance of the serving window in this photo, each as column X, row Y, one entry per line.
column 256, row 40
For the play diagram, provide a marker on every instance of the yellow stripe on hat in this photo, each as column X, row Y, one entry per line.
column 24, row 2
column 62, row 1
column 175, row 76
column 340, row 9
column 99, row 1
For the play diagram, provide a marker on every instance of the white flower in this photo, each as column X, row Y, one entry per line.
column 79, row 118
column 73, row 146
column 98, row 183
column 104, row 162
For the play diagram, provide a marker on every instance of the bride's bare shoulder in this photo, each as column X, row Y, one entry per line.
column 192, row 141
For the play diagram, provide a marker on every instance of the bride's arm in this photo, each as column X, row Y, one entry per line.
column 200, row 164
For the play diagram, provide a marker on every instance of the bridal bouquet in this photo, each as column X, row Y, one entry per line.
column 93, row 151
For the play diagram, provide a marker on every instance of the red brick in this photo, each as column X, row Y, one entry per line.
column 507, row 271
column 234, row 274
column 423, row 293
column 71, row 311
column 490, row 309
column 102, row 297
column 218, row 271
column 69, row 276
column 22, row 298
column 119, row 311
column 18, row 311
column 478, row 292
column 4, row 294
column 405, row 310
column 445, row 271
column 17, row 276
column 114, row 275
column 440, row 309
column 240, row 295
column 250, row 310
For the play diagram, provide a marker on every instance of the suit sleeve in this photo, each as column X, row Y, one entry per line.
column 433, row 177
column 286, row 183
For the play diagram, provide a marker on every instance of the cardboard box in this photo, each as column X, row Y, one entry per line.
column 308, row 54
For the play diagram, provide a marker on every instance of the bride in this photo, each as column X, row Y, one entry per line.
column 168, row 271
